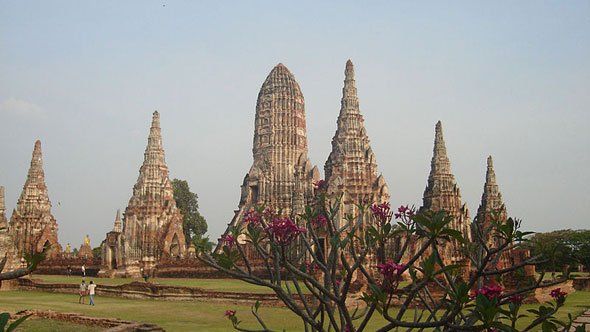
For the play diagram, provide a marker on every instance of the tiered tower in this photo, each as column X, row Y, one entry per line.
column 32, row 225
column 282, row 175
column 351, row 168
column 118, row 225
column 442, row 193
column 491, row 202
column 153, row 224
column 7, row 247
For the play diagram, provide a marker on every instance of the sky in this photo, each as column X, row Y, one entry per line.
column 507, row 79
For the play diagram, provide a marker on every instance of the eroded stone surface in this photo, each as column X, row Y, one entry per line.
column 442, row 193
column 32, row 225
column 152, row 229
column 281, row 175
column 7, row 247
column 351, row 168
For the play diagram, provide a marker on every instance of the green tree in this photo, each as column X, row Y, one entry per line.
column 97, row 253
column 579, row 242
column 194, row 224
column 555, row 249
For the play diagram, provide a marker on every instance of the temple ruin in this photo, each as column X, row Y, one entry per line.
column 351, row 168
column 281, row 175
column 152, row 225
column 442, row 193
column 7, row 247
column 32, row 225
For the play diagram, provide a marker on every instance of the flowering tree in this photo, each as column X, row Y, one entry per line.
column 337, row 274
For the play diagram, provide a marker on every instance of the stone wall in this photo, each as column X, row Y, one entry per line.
column 60, row 266
column 142, row 290
column 194, row 268
column 582, row 283
column 111, row 324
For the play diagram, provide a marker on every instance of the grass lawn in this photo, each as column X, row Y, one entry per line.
column 193, row 316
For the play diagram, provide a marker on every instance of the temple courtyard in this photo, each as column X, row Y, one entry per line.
column 180, row 315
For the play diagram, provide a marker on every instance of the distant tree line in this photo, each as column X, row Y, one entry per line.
column 562, row 249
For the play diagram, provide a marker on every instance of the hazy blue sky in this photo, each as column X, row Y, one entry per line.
column 507, row 78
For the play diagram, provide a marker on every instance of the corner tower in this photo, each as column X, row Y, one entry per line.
column 351, row 168
column 32, row 225
column 152, row 227
column 491, row 202
column 442, row 193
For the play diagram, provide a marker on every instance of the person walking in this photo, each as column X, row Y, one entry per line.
column 91, row 288
column 83, row 270
column 83, row 289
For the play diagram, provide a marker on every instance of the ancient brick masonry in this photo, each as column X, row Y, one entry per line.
column 281, row 175
column 152, row 228
column 32, row 225
column 6, row 244
column 442, row 193
column 351, row 168
column 491, row 202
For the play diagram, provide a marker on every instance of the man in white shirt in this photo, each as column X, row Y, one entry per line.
column 91, row 288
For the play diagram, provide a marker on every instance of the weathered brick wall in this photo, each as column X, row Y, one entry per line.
column 142, row 290
column 111, row 324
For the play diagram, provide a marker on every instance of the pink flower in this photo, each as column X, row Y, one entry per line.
column 319, row 221
column 230, row 313
column 516, row 299
column 382, row 212
column 284, row 230
column 405, row 212
column 310, row 267
column 268, row 212
column 557, row 294
column 391, row 271
column 228, row 240
column 319, row 184
column 491, row 291
column 252, row 217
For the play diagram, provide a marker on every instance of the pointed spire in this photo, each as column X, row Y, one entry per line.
column 118, row 226
column 34, row 190
column 154, row 153
column 491, row 199
column 440, row 163
column 350, row 102
column 2, row 201
column 490, row 174
column 153, row 172
column 351, row 165
column 3, row 221
column 33, row 211
column 442, row 192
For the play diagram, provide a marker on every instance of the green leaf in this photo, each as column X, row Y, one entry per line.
column 17, row 323
column 4, row 317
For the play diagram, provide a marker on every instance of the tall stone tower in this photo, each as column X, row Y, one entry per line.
column 282, row 175
column 7, row 247
column 152, row 223
column 491, row 201
column 442, row 193
column 3, row 220
column 351, row 168
column 32, row 225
